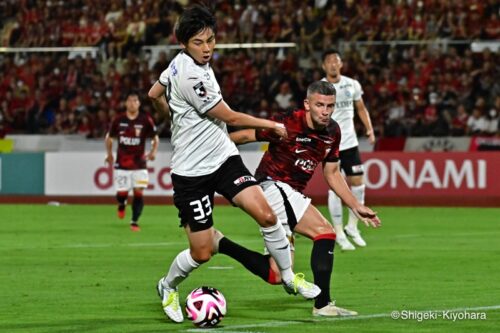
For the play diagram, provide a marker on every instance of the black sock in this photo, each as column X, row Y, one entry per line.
column 121, row 197
column 322, row 267
column 137, row 206
column 255, row 262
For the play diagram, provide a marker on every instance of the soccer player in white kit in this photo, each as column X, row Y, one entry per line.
column 205, row 160
column 349, row 98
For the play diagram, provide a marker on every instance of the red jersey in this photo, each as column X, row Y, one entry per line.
column 131, row 135
column 294, row 159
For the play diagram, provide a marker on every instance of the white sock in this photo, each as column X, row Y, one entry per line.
column 359, row 193
column 279, row 247
column 335, row 208
column 182, row 265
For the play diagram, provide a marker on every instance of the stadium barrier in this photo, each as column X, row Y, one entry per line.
column 443, row 179
column 392, row 178
column 22, row 173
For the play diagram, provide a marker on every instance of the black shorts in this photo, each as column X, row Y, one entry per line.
column 350, row 162
column 194, row 196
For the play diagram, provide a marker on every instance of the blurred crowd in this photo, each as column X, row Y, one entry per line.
column 409, row 89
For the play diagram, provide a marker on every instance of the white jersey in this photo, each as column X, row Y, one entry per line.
column 348, row 91
column 201, row 144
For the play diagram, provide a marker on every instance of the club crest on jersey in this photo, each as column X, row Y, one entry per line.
column 138, row 129
column 244, row 179
column 347, row 93
column 200, row 90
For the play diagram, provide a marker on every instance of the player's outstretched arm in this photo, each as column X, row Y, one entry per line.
column 237, row 119
column 337, row 183
column 243, row 136
column 157, row 96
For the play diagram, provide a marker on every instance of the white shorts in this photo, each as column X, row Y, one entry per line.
column 125, row 180
column 281, row 196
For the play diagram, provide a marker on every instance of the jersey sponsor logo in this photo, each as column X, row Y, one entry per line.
column 127, row 141
column 244, row 179
column 298, row 151
column 200, row 90
column 124, row 124
column 306, row 165
column 343, row 104
column 298, row 139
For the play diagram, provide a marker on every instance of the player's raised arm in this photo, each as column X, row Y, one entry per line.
column 237, row 119
column 337, row 183
column 157, row 96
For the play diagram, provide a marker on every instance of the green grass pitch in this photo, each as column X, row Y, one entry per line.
column 77, row 268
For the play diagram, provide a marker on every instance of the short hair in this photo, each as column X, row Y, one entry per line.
column 322, row 88
column 192, row 21
column 132, row 93
column 328, row 52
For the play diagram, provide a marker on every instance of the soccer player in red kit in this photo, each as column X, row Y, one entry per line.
column 131, row 129
column 283, row 173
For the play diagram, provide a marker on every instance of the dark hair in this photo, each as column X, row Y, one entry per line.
column 132, row 93
column 193, row 20
column 328, row 52
column 322, row 88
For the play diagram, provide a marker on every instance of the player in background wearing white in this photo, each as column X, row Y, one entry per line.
column 205, row 160
column 349, row 99
column 131, row 129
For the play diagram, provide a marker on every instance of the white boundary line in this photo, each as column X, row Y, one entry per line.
column 242, row 328
column 106, row 245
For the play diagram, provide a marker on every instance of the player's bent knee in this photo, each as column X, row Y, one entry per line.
column 201, row 256
column 268, row 218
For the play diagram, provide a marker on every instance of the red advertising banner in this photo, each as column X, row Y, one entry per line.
column 447, row 179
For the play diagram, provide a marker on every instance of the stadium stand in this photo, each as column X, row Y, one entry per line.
column 429, row 84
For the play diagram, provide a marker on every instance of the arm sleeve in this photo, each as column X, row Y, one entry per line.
column 113, row 128
column 333, row 154
column 152, row 131
column 164, row 78
column 358, row 91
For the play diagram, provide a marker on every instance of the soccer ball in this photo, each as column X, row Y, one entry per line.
column 205, row 306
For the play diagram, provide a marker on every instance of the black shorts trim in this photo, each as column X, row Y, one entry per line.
column 290, row 214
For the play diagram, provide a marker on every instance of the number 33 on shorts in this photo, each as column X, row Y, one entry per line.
column 202, row 209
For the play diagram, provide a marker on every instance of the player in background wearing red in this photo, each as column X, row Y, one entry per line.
column 283, row 173
column 131, row 129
